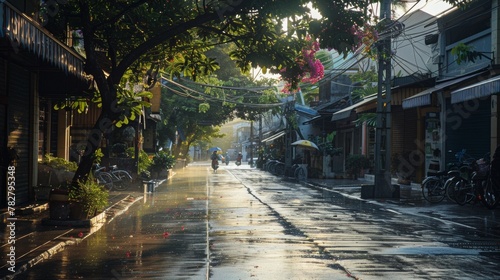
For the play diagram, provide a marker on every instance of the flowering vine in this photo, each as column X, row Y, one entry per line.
column 307, row 68
column 367, row 37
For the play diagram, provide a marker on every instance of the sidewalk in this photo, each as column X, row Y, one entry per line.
column 34, row 237
column 406, row 193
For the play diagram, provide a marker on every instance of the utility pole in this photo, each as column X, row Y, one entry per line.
column 260, row 138
column 288, row 111
column 250, row 162
column 383, row 186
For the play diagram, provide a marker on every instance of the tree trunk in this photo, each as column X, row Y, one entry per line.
column 103, row 124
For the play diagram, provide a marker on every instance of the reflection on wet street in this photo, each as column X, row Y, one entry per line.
column 243, row 223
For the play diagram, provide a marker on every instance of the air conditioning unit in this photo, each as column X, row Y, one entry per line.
column 431, row 39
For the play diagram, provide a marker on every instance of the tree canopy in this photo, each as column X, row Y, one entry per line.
column 143, row 36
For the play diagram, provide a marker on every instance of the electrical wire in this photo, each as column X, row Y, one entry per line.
column 213, row 98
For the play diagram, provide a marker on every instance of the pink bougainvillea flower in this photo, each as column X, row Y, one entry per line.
column 308, row 69
column 166, row 234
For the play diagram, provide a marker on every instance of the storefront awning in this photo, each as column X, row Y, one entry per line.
column 305, row 111
column 424, row 98
column 274, row 136
column 478, row 90
column 346, row 112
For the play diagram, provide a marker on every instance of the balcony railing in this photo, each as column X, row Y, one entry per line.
column 23, row 32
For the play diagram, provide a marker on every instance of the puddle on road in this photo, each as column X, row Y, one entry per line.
column 427, row 250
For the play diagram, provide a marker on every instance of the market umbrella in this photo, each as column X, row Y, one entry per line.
column 215, row 149
column 305, row 144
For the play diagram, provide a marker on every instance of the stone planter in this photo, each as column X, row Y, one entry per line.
column 160, row 175
column 163, row 174
column 77, row 211
column 180, row 163
column 59, row 204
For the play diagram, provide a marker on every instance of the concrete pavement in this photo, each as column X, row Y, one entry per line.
column 35, row 237
column 40, row 242
column 34, row 241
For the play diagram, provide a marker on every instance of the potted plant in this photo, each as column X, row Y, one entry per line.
column 88, row 199
column 355, row 164
column 144, row 161
column 162, row 162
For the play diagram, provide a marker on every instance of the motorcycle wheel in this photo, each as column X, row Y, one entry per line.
column 490, row 194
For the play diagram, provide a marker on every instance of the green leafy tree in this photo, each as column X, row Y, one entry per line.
column 366, row 85
column 140, row 36
column 182, row 116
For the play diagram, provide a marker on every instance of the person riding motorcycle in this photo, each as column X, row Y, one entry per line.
column 215, row 161
column 239, row 158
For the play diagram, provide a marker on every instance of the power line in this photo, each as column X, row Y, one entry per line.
column 206, row 97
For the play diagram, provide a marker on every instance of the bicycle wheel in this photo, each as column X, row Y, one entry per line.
column 490, row 194
column 272, row 167
column 300, row 174
column 123, row 179
column 463, row 194
column 433, row 190
column 451, row 189
column 279, row 169
column 123, row 175
column 105, row 179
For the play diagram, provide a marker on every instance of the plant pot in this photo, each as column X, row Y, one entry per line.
column 163, row 174
column 59, row 204
column 77, row 211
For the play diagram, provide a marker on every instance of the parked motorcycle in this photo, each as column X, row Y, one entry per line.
column 492, row 188
column 480, row 184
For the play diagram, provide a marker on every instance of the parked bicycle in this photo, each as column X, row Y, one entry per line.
column 462, row 168
column 440, row 184
column 478, row 186
column 434, row 187
column 103, row 177
column 492, row 191
column 299, row 172
column 114, row 178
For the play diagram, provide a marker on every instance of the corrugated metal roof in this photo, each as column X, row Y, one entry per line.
column 424, row 98
column 346, row 112
column 477, row 90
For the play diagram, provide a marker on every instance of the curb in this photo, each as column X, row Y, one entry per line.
column 410, row 198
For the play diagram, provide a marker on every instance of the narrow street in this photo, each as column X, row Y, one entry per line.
column 242, row 223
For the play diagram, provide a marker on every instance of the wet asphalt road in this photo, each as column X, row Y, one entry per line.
column 243, row 223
